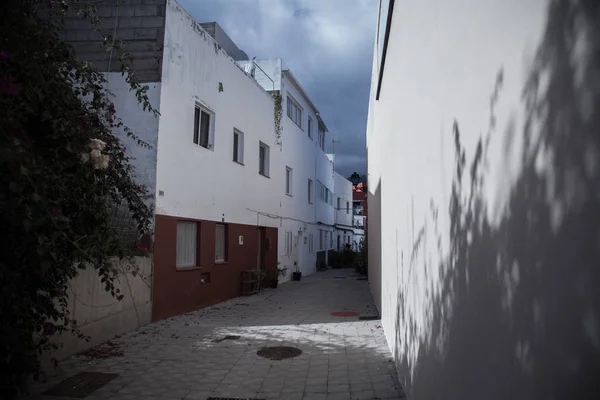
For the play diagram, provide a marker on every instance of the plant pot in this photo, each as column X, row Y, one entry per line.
column 296, row 276
column 274, row 283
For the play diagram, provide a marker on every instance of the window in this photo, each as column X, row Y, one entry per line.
column 310, row 243
column 238, row 146
column 263, row 159
column 310, row 190
column 294, row 111
column 221, row 243
column 321, row 138
column 348, row 239
column 324, row 193
column 347, row 207
column 288, row 181
column 187, row 240
column 331, row 240
column 288, row 243
column 339, row 204
column 203, row 127
column 310, row 128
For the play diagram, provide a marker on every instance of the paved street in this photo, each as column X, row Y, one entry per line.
column 186, row 356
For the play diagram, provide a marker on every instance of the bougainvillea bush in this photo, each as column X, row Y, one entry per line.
column 62, row 171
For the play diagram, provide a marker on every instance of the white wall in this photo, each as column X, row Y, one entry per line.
column 466, row 296
column 308, row 161
column 143, row 124
column 99, row 315
column 197, row 182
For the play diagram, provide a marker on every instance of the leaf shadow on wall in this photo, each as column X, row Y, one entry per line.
column 517, row 316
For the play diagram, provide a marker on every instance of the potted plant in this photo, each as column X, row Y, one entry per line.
column 296, row 275
column 274, row 274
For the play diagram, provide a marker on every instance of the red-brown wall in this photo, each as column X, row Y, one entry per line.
column 177, row 291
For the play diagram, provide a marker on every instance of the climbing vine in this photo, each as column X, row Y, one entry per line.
column 62, row 171
column 278, row 113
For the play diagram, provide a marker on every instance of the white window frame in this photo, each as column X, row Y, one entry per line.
column 347, row 207
column 294, row 111
column 310, row 191
column 240, row 149
column 186, row 244
column 289, row 181
column 197, row 125
column 266, row 160
column 220, row 248
column 339, row 204
column 310, row 127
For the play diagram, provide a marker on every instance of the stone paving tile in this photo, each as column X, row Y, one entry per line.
column 343, row 357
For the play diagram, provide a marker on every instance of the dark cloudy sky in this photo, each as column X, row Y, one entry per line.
column 328, row 45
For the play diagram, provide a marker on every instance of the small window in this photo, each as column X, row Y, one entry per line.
column 187, row 240
column 203, row 127
column 310, row 190
column 347, row 207
column 288, row 181
column 288, row 243
column 310, row 127
column 263, row 159
column 221, row 243
column 238, row 146
column 294, row 111
column 339, row 204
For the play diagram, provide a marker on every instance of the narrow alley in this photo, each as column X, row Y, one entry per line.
column 212, row 352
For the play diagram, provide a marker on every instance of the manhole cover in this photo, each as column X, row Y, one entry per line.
column 345, row 314
column 279, row 352
column 81, row 385
column 228, row 337
column 369, row 317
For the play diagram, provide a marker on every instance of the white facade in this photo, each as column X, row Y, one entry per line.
column 344, row 234
column 458, row 264
column 309, row 219
column 203, row 182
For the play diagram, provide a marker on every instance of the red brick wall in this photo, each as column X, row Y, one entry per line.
column 177, row 291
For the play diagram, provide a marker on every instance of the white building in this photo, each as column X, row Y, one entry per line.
column 233, row 192
column 483, row 151
column 307, row 214
column 344, row 231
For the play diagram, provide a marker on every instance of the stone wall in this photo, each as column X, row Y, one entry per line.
column 138, row 24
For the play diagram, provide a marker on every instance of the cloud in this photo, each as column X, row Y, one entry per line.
column 328, row 44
